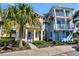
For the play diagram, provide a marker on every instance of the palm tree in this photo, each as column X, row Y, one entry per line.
column 1, row 22
column 47, row 18
column 22, row 14
column 8, row 27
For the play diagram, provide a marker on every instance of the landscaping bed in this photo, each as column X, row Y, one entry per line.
column 42, row 44
column 9, row 44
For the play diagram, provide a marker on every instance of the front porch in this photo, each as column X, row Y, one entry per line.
column 62, row 35
column 33, row 34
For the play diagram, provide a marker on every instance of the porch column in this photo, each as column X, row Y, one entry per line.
column 41, row 34
column 55, row 26
column 34, row 33
column 17, row 34
column 26, row 34
column 65, row 19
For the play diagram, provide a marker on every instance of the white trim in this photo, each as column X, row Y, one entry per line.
column 41, row 35
column 34, row 34
column 26, row 34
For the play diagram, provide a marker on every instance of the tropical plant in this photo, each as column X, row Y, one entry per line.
column 75, row 16
column 76, row 22
column 22, row 14
column 8, row 27
column 1, row 22
column 40, row 44
column 47, row 18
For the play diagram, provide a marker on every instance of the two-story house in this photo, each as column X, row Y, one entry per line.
column 60, row 26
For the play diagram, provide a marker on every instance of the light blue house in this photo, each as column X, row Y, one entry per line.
column 60, row 25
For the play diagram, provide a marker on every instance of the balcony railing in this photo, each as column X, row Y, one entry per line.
column 63, row 26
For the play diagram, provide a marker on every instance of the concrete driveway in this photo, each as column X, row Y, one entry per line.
column 49, row 51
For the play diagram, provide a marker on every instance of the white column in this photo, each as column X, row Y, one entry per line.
column 17, row 34
column 55, row 19
column 26, row 34
column 65, row 19
column 41, row 34
column 34, row 33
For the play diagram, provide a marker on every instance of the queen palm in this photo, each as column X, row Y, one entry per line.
column 22, row 14
column 47, row 18
column 1, row 22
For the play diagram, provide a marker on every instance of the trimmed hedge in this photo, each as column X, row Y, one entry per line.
column 40, row 44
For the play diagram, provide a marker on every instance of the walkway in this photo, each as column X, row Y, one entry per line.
column 32, row 46
column 49, row 51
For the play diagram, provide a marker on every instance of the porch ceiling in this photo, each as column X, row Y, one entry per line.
column 32, row 29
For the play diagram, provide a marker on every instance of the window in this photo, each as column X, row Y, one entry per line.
column 60, row 20
column 67, row 33
column 29, row 34
column 36, row 34
column 67, row 12
column 59, row 12
column 50, row 34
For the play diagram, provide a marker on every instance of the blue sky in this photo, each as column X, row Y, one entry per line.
column 43, row 8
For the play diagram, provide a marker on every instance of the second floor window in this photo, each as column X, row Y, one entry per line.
column 60, row 20
column 59, row 12
column 67, row 12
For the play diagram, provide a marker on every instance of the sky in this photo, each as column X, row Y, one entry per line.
column 43, row 8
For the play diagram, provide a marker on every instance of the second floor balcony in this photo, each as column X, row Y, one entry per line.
column 63, row 27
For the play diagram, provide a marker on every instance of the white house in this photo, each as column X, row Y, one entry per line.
column 32, row 33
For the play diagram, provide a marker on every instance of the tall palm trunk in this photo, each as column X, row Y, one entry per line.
column 21, row 37
column 10, row 33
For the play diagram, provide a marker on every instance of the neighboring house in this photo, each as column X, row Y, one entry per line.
column 32, row 33
column 61, row 26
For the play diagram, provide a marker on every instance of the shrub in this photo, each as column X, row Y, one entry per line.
column 14, row 49
column 70, row 42
column 26, row 46
column 50, row 43
column 40, row 44
column 16, row 43
column 5, row 41
column 57, row 43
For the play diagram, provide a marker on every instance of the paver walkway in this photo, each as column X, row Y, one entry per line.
column 49, row 51
column 32, row 46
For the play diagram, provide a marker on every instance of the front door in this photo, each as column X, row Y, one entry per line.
column 29, row 37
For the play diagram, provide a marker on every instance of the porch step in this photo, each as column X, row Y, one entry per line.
column 32, row 46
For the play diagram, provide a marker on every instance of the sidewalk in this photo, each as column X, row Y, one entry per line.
column 49, row 51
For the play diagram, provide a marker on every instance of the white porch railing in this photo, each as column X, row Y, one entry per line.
column 63, row 26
